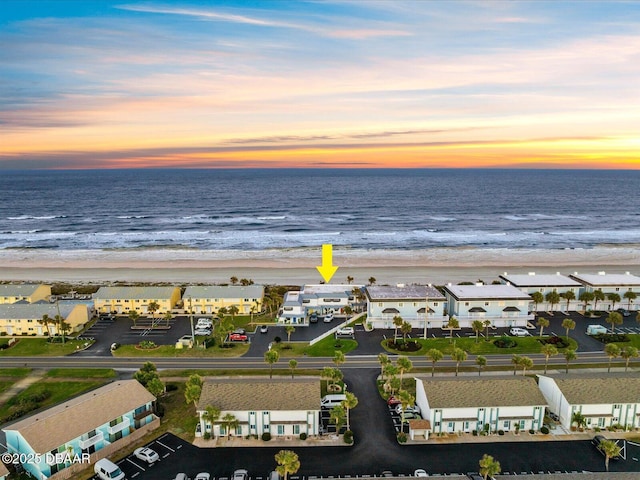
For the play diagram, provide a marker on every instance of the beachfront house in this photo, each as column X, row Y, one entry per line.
column 453, row 405
column 121, row 300
column 416, row 304
column 96, row 423
column 208, row 299
column 24, row 292
column 323, row 299
column 281, row 407
column 602, row 400
column 28, row 319
column 502, row 305
column 545, row 283
column 619, row 283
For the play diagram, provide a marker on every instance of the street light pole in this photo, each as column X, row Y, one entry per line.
column 193, row 337
column 426, row 313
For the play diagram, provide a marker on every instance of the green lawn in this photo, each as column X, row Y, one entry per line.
column 39, row 346
column 634, row 339
column 82, row 373
column 446, row 345
column 5, row 384
column 324, row 348
column 14, row 372
column 235, row 350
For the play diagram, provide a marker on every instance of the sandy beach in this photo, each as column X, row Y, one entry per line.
column 297, row 266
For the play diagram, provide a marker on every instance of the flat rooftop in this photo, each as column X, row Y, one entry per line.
column 607, row 279
column 482, row 292
column 544, row 280
column 403, row 292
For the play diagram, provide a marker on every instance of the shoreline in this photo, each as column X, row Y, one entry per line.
column 297, row 266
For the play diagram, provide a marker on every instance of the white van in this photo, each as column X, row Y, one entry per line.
column 596, row 329
column 518, row 332
column 107, row 470
column 330, row 401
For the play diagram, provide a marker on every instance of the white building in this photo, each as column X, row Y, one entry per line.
column 319, row 299
column 619, row 283
column 282, row 407
column 502, row 305
column 545, row 283
column 385, row 302
column 604, row 400
column 462, row 405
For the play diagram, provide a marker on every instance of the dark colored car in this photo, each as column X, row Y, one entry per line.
column 623, row 312
column 313, row 318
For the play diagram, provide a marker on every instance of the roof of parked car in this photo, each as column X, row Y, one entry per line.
column 261, row 394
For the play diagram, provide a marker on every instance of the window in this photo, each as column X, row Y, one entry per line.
column 466, row 304
column 506, row 424
column 400, row 304
column 296, row 429
column 380, row 304
column 239, row 430
column 415, row 304
column 280, row 429
column 435, row 304
column 617, row 289
column 486, row 304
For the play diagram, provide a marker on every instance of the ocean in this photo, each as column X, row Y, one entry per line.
column 265, row 209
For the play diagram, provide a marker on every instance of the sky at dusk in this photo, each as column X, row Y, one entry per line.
column 345, row 83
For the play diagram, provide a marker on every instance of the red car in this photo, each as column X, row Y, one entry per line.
column 393, row 401
column 237, row 337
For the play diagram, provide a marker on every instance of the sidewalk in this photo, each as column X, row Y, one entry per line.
column 289, row 441
column 510, row 437
column 22, row 384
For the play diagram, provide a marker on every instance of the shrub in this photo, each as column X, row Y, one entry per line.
column 266, row 436
column 556, row 341
column 402, row 437
column 277, row 339
column 348, row 437
column 532, row 431
column 147, row 344
column 206, row 436
column 303, row 436
column 611, row 337
column 500, row 432
column 475, row 433
column 544, row 430
column 505, row 342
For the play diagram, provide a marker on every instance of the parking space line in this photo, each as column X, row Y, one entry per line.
column 133, row 463
column 165, row 446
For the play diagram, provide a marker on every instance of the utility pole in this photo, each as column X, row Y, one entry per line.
column 193, row 336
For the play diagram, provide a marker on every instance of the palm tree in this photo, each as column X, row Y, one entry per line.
column 61, row 325
column 383, row 360
column 338, row 358
column 337, row 416
column 271, row 357
column 210, row 415
column 628, row 353
column 542, row 323
column 614, row 318
column 477, row 327
column 630, row 296
column 458, row 355
column 586, row 297
column 233, row 280
column 489, row 466
column 569, row 296
column 548, row 351
column 406, row 400
column 233, row 311
column 349, row 279
column 289, row 329
column 229, row 422
column 293, row 363
column 46, row 321
column 451, row 326
column 435, row 356
column 152, row 308
column 553, row 298
column 569, row 355
column 487, row 324
column 515, row 360
column 193, row 389
column 222, row 312
column 481, row 362
column 168, row 317
column 537, row 298
column 525, row 363
column 613, row 298
column 598, row 295
column 288, row 462
column 568, row 324
column 397, row 323
column 611, row 450
column 390, row 372
column 405, row 329
column 372, row 280
column 404, row 365
column 349, row 403
column 579, row 419
column 612, row 351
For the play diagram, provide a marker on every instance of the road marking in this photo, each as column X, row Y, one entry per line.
column 135, row 474
column 133, row 463
column 178, row 447
column 166, row 455
column 165, row 446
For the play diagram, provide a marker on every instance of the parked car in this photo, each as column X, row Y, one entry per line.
column 420, row 473
column 202, row 476
column 205, row 322
column 202, row 332
column 345, row 332
column 412, row 416
column 623, row 312
column 240, row 474
column 391, row 401
column 105, row 469
column 596, row 329
column 274, row 475
column 313, row 318
column 240, row 331
column 328, row 318
column 386, row 473
column 412, row 409
column 264, row 329
column 114, row 346
column 237, row 337
column 475, row 476
column 518, row 332
column 146, row 455
column 181, row 476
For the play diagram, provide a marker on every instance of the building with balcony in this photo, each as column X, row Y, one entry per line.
column 319, row 299
column 502, row 305
column 96, row 423
column 602, row 400
column 121, row 300
column 208, row 299
column 25, row 292
column 545, row 283
column 416, row 304
column 620, row 283
column 281, row 407
column 24, row 319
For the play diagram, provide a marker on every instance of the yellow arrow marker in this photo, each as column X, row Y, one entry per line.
column 327, row 270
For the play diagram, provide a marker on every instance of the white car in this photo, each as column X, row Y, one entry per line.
column 204, row 323
column 202, row 331
column 146, row 455
column 518, row 332
column 328, row 318
column 345, row 332
column 240, row 474
column 203, row 476
column 420, row 473
column 413, row 409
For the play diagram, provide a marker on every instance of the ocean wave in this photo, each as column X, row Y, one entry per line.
column 33, row 217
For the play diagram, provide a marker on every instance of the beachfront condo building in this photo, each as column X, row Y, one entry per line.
column 319, row 300
column 502, row 305
column 96, row 423
column 451, row 405
column 121, row 300
column 620, row 283
column 25, row 293
column 546, row 283
column 601, row 400
column 209, row 299
column 23, row 319
column 280, row 407
column 423, row 306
